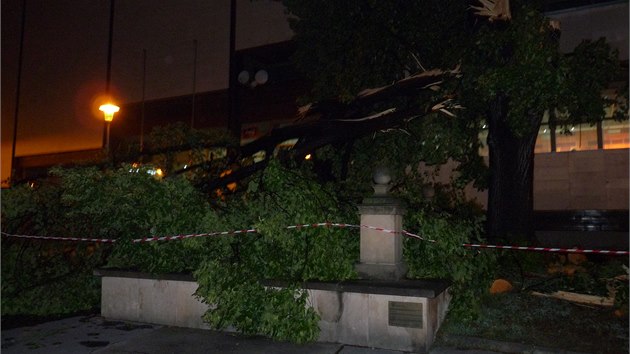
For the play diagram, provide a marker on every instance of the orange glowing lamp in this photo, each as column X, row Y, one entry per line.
column 109, row 110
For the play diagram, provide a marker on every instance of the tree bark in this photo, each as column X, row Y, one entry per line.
column 510, row 196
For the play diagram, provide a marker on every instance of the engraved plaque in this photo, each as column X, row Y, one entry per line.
column 405, row 314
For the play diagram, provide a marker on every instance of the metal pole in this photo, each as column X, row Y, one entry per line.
column 107, row 136
column 233, row 120
column 144, row 87
column 109, row 46
column 194, row 84
column 17, row 92
column 108, row 77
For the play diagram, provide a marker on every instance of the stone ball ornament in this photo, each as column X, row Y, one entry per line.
column 381, row 178
column 382, row 175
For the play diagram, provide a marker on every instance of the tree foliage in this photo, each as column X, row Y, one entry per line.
column 345, row 47
column 42, row 277
column 127, row 203
column 521, row 60
column 51, row 277
column 516, row 74
column 447, row 221
column 512, row 73
column 230, row 279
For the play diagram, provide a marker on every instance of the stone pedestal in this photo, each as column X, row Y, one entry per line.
column 381, row 254
column 402, row 315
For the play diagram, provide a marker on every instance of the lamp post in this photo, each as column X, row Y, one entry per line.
column 108, row 110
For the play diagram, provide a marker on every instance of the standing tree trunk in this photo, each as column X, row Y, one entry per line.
column 510, row 196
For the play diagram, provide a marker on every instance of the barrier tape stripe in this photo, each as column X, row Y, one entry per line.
column 546, row 249
column 181, row 237
column 324, row 224
column 223, row 233
column 57, row 238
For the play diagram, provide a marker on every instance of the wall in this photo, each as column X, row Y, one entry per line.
column 145, row 299
column 594, row 179
column 593, row 22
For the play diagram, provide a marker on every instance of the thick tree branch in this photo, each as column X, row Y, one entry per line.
column 333, row 122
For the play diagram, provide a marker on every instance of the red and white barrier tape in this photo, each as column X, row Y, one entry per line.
column 56, row 238
column 138, row 240
column 329, row 224
column 181, row 237
column 324, row 224
column 224, row 233
column 546, row 249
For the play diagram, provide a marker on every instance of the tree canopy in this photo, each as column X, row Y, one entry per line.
column 397, row 83
column 512, row 73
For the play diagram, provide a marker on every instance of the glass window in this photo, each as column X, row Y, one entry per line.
column 580, row 137
column 543, row 142
column 615, row 134
column 483, row 140
column 566, row 141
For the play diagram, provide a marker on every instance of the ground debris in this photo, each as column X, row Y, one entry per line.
column 579, row 298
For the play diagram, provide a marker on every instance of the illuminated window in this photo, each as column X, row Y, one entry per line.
column 483, row 143
column 580, row 137
column 615, row 134
column 543, row 142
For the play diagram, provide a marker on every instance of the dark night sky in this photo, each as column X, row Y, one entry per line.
column 65, row 60
column 64, row 63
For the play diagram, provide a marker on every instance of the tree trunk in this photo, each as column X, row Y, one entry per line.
column 510, row 196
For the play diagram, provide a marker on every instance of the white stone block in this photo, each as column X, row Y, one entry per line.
column 353, row 327
column 119, row 298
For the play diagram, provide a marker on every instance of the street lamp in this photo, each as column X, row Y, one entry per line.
column 108, row 110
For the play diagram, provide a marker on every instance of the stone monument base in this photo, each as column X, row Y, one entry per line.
column 398, row 315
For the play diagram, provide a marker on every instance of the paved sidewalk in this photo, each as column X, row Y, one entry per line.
column 82, row 334
column 93, row 334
